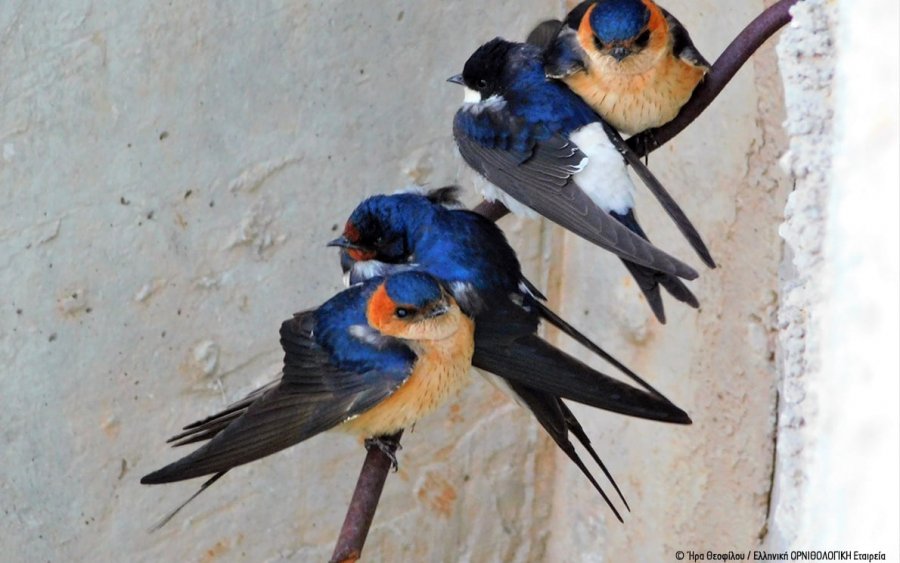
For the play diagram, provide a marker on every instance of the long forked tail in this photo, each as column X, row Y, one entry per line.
column 557, row 420
column 671, row 207
column 165, row 519
column 650, row 280
column 550, row 316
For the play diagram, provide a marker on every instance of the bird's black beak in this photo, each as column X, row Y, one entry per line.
column 343, row 242
column 619, row 53
column 457, row 79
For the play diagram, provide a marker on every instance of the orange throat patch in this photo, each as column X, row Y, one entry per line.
column 442, row 369
column 644, row 90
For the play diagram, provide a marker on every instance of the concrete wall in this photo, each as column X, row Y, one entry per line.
column 835, row 484
column 169, row 177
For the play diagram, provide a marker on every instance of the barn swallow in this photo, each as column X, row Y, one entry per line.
column 432, row 233
column 543, row 149
column 370, row 361
column 630, row 60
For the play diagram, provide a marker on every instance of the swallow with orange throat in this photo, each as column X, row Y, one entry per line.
column 632, row 61
column 370, row 361
column 544, row 151
column 432, row 232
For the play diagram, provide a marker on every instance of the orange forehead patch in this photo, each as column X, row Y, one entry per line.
column 585, row 33
column 350, row 232
column 381, row 308
column 657, row 19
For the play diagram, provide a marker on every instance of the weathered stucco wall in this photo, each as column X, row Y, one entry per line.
column 836, row 483
column 808, row 59
column 169, row 177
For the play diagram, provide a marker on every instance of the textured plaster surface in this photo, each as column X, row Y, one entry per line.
column 807, row 62
column 836, row 477
column 170, row 175
column 168, row 178
column 855, row 470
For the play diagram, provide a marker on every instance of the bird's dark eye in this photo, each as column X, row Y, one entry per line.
column 403, row 312
column 643, row 38
column 482, row 84
column 599, row 44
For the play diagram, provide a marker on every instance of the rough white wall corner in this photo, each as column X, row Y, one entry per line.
column 837, row 445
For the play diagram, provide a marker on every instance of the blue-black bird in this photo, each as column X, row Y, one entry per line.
column 432, row 233
column 371, row 361
column 543, row 149
column 630, row 60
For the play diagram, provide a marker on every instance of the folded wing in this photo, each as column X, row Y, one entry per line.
column 539, row 174
column 311, row 397
column 505, row 345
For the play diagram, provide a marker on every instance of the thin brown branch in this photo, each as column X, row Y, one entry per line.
column 375, row 469
column 365, row 498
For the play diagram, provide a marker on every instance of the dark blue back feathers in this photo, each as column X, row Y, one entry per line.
column 453, row 245
column 618, row 20
column 465, row 247
column 332, row 331
column 536, row 108
column 540, row 101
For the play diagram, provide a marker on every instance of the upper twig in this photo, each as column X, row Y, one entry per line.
column 723, row 70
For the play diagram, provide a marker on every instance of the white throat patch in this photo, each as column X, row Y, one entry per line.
column 471, row 96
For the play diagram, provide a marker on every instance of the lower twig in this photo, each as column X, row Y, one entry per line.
column 377, row 465
column 365, row 500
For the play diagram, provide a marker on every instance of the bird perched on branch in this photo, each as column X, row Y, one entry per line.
column 543, row 150
column 371, row 361
column 630, row 60
column 469, row 254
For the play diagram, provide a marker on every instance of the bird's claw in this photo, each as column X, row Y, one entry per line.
column 387, row 446
column 645, row 143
